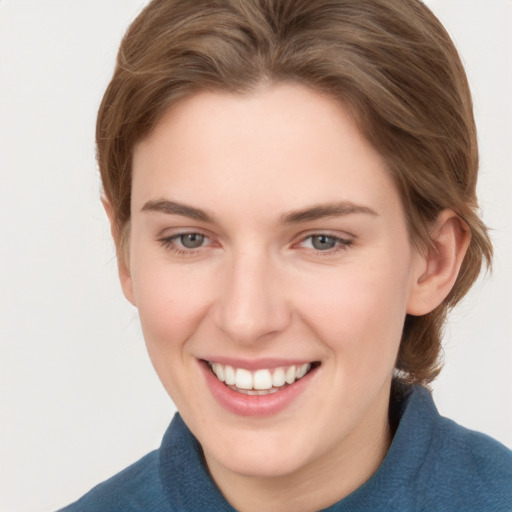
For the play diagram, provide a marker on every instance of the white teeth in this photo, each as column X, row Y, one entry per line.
column 229, row 375
column 243, row 379
column 219, row 371
column 278, row 378
column 260, row 382
column 262, row 379
column 302, row 370
column 260, row 392
column 290, row 375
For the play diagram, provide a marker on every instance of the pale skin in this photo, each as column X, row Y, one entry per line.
column 299, row 249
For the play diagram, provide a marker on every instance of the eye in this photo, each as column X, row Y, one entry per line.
column 190, row 240
column 325, row 243
column 183, row 243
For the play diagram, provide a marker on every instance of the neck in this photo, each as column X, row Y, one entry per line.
column 324, row 481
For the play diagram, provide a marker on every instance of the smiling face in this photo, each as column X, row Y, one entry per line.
column 268, row 244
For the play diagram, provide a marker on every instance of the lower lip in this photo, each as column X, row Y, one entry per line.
column 254, row 405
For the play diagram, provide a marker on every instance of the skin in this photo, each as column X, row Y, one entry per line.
column 259, row 288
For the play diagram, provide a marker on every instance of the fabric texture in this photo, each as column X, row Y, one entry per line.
column 433, row 464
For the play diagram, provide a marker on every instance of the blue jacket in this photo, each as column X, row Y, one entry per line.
column 433, row 464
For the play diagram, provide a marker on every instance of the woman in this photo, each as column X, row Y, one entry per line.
column 291, row 189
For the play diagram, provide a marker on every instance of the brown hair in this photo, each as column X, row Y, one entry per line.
column 390, row 61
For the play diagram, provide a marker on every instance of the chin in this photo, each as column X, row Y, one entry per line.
column 261, row 465
column 260, row 454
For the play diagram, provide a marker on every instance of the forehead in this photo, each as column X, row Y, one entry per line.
column 279, row 147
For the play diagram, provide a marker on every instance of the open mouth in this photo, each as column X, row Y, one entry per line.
column 263, row 381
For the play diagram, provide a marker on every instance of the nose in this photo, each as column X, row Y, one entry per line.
column 252, row 303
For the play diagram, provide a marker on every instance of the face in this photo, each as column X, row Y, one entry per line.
column 271, row 266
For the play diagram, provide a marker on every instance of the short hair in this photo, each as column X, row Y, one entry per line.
column 390, row 62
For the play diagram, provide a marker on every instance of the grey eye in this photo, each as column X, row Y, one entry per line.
column 191, row 240
column 323, row 242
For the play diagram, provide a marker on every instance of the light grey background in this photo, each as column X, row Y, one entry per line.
column 78, row 397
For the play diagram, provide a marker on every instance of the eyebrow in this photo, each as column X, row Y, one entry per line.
column 311, row 213
column 321, row 211
column 174, row 208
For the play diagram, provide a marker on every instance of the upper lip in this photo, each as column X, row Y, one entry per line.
column 256, row 364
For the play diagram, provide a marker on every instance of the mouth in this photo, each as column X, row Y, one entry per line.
column 260, row 382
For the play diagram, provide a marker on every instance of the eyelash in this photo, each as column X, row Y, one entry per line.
column 341, row 244
column 172, row 243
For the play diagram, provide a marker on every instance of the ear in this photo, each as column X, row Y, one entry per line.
column 122, row 253
column 438, row 269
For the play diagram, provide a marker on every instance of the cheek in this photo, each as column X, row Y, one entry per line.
column 171, row 301
column 360, row 314
column 171, row 306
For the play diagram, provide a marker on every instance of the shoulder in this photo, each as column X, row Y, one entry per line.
column 473, row 464
column 172, row 478
column 467, row 470
column 135, row 488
